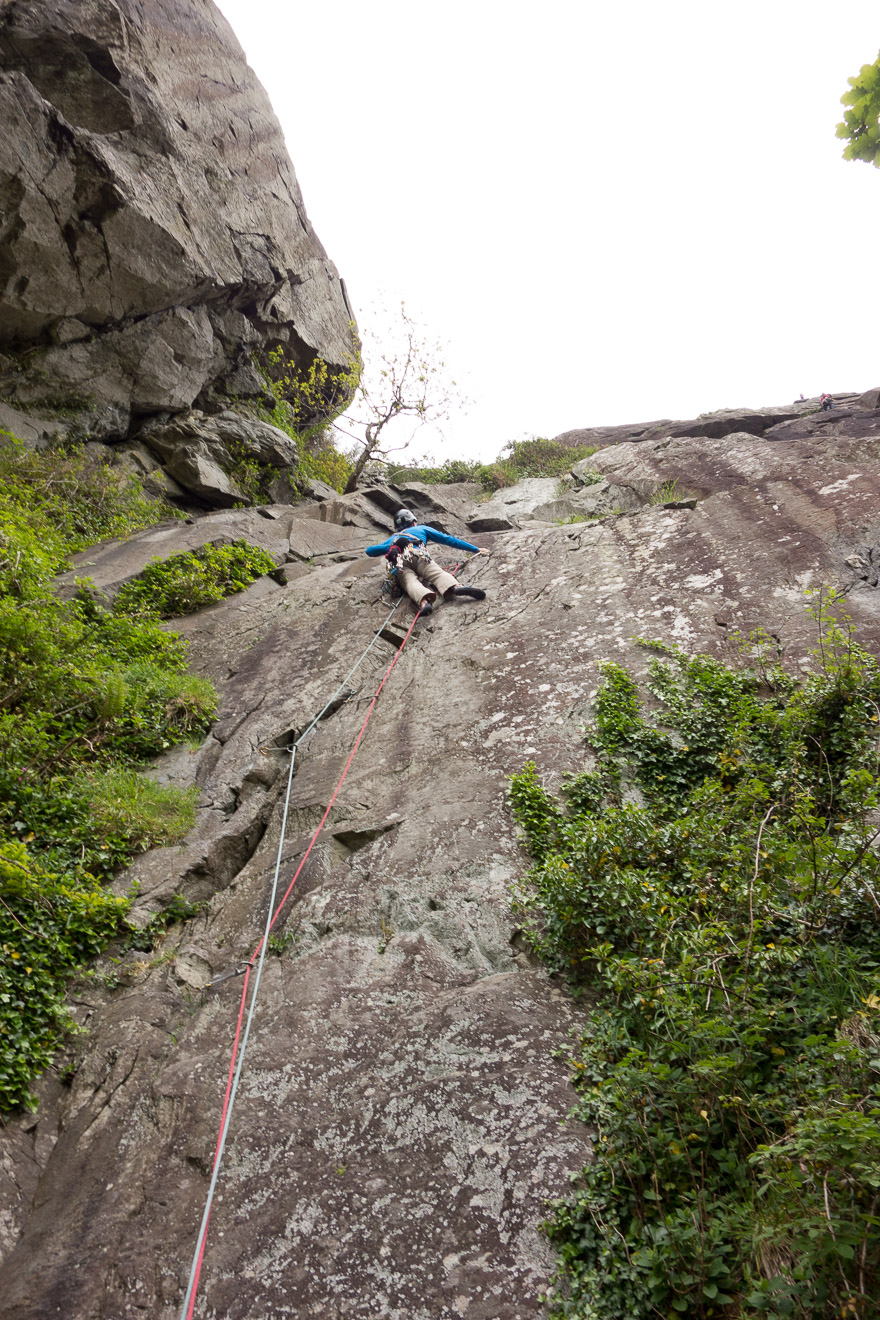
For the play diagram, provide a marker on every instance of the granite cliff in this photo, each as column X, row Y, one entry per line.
column 402, row 1116
column 401, row 1119
column 153, row 239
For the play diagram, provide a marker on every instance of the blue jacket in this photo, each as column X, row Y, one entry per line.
column 422, row 535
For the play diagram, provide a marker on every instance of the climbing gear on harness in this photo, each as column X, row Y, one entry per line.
column 477, row 592
column 403, row 518
column 398, row 546
column 412, row 553
column 236, row 1062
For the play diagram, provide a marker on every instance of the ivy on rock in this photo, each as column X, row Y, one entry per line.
column 713, row 884
column 87, row 696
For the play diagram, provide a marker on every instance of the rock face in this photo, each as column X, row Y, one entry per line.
column 802, row 415
column 152, row 233
column 400, row 1120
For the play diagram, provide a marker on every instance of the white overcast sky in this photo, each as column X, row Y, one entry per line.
column 610, row 212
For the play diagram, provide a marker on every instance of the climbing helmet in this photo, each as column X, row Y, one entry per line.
column 403, row 518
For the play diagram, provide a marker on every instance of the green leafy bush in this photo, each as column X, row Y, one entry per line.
column 85, row 696
column 304, row 402
column 308, row 398
column 74, row 500
column 50, row 925
column 325, row 463
column 187, row 582
column 861, row 116
column 714, row 882
column 522, row 458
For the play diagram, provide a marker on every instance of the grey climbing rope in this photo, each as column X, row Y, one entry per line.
column 189, row 1299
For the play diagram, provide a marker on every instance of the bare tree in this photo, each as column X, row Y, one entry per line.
column 409, row 382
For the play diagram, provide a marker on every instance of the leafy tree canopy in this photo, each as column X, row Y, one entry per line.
column 861, row 116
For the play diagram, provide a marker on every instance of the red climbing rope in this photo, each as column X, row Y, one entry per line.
column 190, row 1300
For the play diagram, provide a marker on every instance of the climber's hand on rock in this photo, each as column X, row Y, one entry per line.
column 482, row 551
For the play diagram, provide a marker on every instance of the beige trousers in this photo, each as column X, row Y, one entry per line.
column 423, row 579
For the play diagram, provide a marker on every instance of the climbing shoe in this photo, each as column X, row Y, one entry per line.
column 427, row 608
column 477, row 592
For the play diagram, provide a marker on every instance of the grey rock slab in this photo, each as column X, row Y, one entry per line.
column 714, row 425
column 227, row 437
column 290, row 573
column 111, row 563
column 319, row 490
column 436, row 1093
column 594, row 501
column 138, row 460
column 156, row 236
column 491, row 523
column 520, row 500
column 202, row 476
column 361, row 510
column 442, row 506
column 309, row 538
column 401, row 1120
column 30, row 427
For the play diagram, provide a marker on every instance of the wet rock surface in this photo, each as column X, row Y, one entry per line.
column 401, row 1120
column 153, row 233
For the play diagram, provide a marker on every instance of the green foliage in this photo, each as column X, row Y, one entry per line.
column 85, row 696
column 669, row 492
column 304, row 403
column 310, row 398
column 714, row 881
column 323, row 462
column 49, row 926
column 544, row 458
column 861, row 116
column 282, row 942
column 521, row 458
column 187, row 582
column 123, row 803
column 246, row 474
column 450, row 472
column 73, row 499
column 145, row 938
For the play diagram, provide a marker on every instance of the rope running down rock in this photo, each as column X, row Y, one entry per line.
column 237, row 1059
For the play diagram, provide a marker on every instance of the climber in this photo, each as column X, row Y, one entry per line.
column 410, row 565
column 826, row 402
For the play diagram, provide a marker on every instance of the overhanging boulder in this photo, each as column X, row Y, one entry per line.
column 153, row 235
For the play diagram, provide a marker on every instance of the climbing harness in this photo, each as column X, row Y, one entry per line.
column 236, row 1061
column 391, row 585
column 408, row 557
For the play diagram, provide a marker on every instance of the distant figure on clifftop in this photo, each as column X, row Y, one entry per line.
column 826, row 403
column 413, row 569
